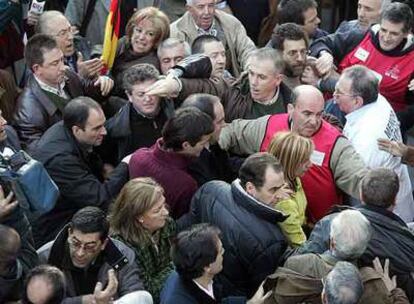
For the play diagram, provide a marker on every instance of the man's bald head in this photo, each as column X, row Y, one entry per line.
column 306, row 110
column 9, row 248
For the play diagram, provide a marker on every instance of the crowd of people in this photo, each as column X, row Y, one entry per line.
column 210, row 163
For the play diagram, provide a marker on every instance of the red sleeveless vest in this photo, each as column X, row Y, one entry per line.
column 318, row 182
column 395, row 71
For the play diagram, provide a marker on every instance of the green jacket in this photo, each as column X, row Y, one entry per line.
column 154, row 262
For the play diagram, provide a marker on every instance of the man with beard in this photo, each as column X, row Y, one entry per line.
column 291, row 40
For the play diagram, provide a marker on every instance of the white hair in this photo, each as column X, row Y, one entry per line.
column 350, row 232
column 343, row 285
column 173, row 42
column 384, row 4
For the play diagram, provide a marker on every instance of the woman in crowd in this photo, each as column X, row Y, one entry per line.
column 144, row 32
column 140, row 219
column 294, row 152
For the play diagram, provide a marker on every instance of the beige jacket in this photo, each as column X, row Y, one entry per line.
column 246, row 136
column 238, row 44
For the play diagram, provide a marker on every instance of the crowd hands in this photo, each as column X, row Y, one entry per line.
column 202, row 167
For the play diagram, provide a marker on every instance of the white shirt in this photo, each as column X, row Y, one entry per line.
column 363, row 127
column 209, row 289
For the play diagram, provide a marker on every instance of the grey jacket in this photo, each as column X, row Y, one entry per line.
column 117, row 256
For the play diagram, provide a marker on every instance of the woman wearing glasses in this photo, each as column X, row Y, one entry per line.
column 140, row 219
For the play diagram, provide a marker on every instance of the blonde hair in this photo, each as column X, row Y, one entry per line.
column 292, row 150
column 159, row 20
column 137, row 197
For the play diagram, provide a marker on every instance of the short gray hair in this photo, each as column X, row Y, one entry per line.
column 350, row 232
column 44, row 19
column 343, row 285
column 364, row 83
column 173, row 42
column 269, row 54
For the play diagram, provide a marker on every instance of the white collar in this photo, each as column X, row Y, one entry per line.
column 57, row 91
column 208, row 290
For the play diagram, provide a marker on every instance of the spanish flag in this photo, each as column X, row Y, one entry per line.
column 113, row 22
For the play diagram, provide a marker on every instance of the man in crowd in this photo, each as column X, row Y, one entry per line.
column 17, row 257
column 213, row 48
column 391, row 239
column 291, row 40
column 139, row 122
column 369, row 12
column 369, row 117
column 88, row 258
column 213, row 163
column 202, row 18
column 303, row 13
column 386, row 48
column 17, row 252
column 170, row 52
column 343, row 285
column 259, row 93
column 45, row 284
column 55, row 24
column 251, row 254
column 49, row 89
column 66, row 151
column 184, row 136
column 349, row 237
column 197, row 254
column 335, row 162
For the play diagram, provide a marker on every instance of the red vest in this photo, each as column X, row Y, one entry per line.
column 318, row 182
column 396, row 71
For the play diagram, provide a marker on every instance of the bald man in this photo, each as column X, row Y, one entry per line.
column 10, row 269
column 336, row 164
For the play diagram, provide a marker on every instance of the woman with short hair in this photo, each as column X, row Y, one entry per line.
column 294, row 152
column 145, row 30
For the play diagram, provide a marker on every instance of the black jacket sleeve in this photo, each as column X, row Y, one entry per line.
column 337, row 44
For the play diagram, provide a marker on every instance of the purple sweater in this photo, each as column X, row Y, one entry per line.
column 169, row 169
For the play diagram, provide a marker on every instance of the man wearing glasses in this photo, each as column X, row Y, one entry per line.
column 369, row 116
column 55, row 24
column 97, row 268
column 336, row 166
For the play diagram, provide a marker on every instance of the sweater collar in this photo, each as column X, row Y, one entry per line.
column 173, row 159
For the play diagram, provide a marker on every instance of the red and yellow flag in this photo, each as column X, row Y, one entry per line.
column 113, row 22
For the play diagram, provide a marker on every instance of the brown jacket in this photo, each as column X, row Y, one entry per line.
column 236, row 98
column 300, row 281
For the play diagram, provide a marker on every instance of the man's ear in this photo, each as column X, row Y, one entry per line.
column 128, row 95
column 331, row 244
column 35, row 68
column 290, row 108
column 359, row 102
column 250, row 188
column 104, row 244
column 76, row 130
column 185, row 145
